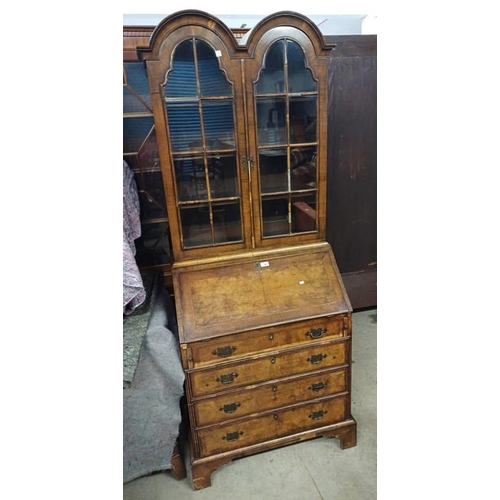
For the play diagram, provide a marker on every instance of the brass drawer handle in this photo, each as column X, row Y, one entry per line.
column 232, row 436
column 230, row 408
column 316, row 415
column 316, row 333
column 271, row 336
column 227, row 378
column 224, row 352
column 273, row 359
column 316, row 358
column 317, row 386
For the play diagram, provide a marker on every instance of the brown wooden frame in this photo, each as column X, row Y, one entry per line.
column 242, row 65
column 306, row 34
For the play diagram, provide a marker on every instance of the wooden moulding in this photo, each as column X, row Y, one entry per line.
column 202, row 468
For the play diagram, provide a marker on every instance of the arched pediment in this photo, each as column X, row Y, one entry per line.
column 283, row 20
column 195, row 19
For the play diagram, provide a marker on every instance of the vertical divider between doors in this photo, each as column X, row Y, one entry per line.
column 247, row 147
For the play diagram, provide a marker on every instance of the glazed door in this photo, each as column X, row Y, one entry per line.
column 285, row 90
column 241, row 131
column 198, row 95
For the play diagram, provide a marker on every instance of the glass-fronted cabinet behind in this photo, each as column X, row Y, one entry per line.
column 140, row 151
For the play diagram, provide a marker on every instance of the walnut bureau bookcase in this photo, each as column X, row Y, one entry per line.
column 264, row 319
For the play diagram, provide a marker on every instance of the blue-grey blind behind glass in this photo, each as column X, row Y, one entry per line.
column 184, row 119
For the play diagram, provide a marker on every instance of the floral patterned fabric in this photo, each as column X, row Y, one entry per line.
column 133, row 288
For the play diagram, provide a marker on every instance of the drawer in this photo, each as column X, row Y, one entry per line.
column 267, row 368
column 281, row 423
column 243, row 344
column 268, row 396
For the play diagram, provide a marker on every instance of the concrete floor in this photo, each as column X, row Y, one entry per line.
column 312, row 470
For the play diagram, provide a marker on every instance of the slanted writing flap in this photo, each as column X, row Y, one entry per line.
column 257, row 292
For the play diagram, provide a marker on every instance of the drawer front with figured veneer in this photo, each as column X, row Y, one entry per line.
column 243, row 344
column 268, row 396
column 266, row 368
column 273, row 425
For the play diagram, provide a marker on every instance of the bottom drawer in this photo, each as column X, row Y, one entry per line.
column 272, row 425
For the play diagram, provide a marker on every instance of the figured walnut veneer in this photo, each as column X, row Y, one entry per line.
column 263, row 316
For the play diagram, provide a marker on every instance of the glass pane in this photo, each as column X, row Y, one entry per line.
column 273, row 170
column 149, row 157
column 184, row 126
column 131, row 104
column 218, row 123
column 227, row 222
column 303, row 119
column 137, row 79
column 195, row 223
column 181, row 80
column 275, row 216
column 271, row 121
column 135, row 130
column 303, row 168
column 153, row 247
column 151, row 195
column 190, row 177
column 213, row 82
column 272, row 77
column 223, row 175
column 304, row 213
column 299, row 77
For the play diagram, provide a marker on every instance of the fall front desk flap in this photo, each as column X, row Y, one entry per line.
column 258, row 290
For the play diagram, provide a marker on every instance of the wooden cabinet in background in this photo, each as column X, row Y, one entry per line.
column 264, row 319
column 140, row 151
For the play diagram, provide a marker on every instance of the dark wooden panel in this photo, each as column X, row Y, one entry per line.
column 352, row 155
column 361, row 288
column 353, row 45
